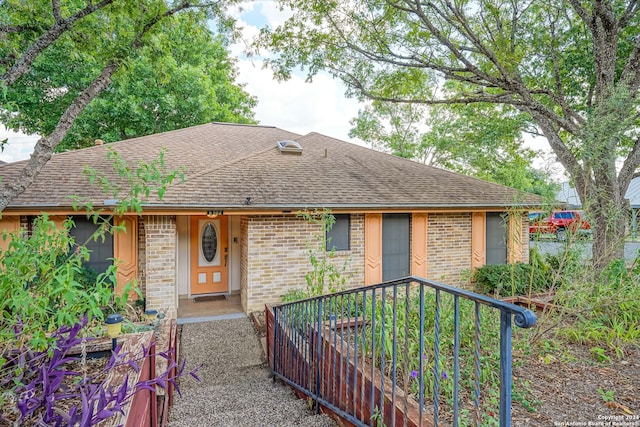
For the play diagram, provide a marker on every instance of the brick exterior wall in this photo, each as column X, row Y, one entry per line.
column 142, row 258
column 244, row 264
column 160, row 262
column 448, row 262
column 275, row 257
column 525, row 239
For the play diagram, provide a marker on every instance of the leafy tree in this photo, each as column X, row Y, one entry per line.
column 182, row 77
column 483, row 141
column 62, row 54
column 572, row 66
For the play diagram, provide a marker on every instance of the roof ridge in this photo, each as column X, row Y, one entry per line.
column 257, row 125
column 231, row 162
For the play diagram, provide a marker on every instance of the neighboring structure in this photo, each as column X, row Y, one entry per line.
column 232, row 224
column 568, row 195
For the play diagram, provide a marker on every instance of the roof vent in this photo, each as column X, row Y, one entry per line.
column 289, row 147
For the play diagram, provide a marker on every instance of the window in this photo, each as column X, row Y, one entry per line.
column 338, row 237
column 101, row 250
column 396, row 246
column 496, row 239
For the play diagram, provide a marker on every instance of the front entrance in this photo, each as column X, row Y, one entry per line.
column 209, row 250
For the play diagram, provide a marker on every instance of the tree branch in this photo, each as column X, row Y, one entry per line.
column 17, row 28
column 45, row 146
column 629, row 166
column 564, row 155
column 629, row 13
column 55, row 6
column 23, row 64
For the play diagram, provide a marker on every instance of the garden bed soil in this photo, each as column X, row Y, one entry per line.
column 563, row 387
column 566, row 385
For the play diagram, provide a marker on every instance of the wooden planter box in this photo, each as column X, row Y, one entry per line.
column 142, row 409
column 147, row 408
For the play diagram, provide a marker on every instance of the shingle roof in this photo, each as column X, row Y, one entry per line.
column 227, row 163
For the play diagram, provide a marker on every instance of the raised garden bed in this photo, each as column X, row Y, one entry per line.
column 540, row 302
column 138, row 365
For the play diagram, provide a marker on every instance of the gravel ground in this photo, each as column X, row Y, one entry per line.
column 236, row 387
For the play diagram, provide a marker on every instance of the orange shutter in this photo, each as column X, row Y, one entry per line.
column 372, row 248
column 58, row 221
column 10, row 224
column 514, row 247
column 419, row 245
column 125, row 251
column 478, row 240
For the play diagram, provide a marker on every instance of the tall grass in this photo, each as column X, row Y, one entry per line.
column 418, row 359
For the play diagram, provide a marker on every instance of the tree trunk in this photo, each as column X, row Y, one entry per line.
column 608, row 218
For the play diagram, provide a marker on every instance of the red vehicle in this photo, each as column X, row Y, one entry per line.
column 558, row 223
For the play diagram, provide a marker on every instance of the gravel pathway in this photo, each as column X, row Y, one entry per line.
column 236, row 387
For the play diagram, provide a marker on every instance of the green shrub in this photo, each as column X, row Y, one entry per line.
column 512, row 279
column 42, row 289
column 603, row 312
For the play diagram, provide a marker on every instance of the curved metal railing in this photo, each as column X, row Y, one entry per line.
column 410, row 352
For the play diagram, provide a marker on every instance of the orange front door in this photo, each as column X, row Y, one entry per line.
column 209, row 255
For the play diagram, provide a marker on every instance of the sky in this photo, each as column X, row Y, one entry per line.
column 294, row 105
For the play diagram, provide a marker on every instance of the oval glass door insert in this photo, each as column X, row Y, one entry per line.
column 209, row 242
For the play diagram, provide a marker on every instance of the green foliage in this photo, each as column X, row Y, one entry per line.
column 45, row 283
column 43, row 286
column 484, row 141
column 184, row 77
column 325, row 276
column 607, row 396
column 523, row 394
column 384, row 324
column 551, row 69
column 180, row 76
column 294, row 295
column 132, row 187
column 602, row 311
column 512, row 279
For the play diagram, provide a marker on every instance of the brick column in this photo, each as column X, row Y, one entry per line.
column 160, row 261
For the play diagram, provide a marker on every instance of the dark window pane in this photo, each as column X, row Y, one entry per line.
column 209, row 242
column 395, row 246
column 496, row 239
column 338, row 236
column 101, row 251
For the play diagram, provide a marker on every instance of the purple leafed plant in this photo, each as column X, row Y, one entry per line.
column 46, row 392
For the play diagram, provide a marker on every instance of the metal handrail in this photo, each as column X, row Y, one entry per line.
column 352, row 351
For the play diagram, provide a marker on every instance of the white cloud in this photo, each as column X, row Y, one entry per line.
column 298, row 106
column 295, row 105
column 273, row 14
column 19, row 146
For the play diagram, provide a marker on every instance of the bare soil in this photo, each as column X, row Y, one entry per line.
column 564, row 389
